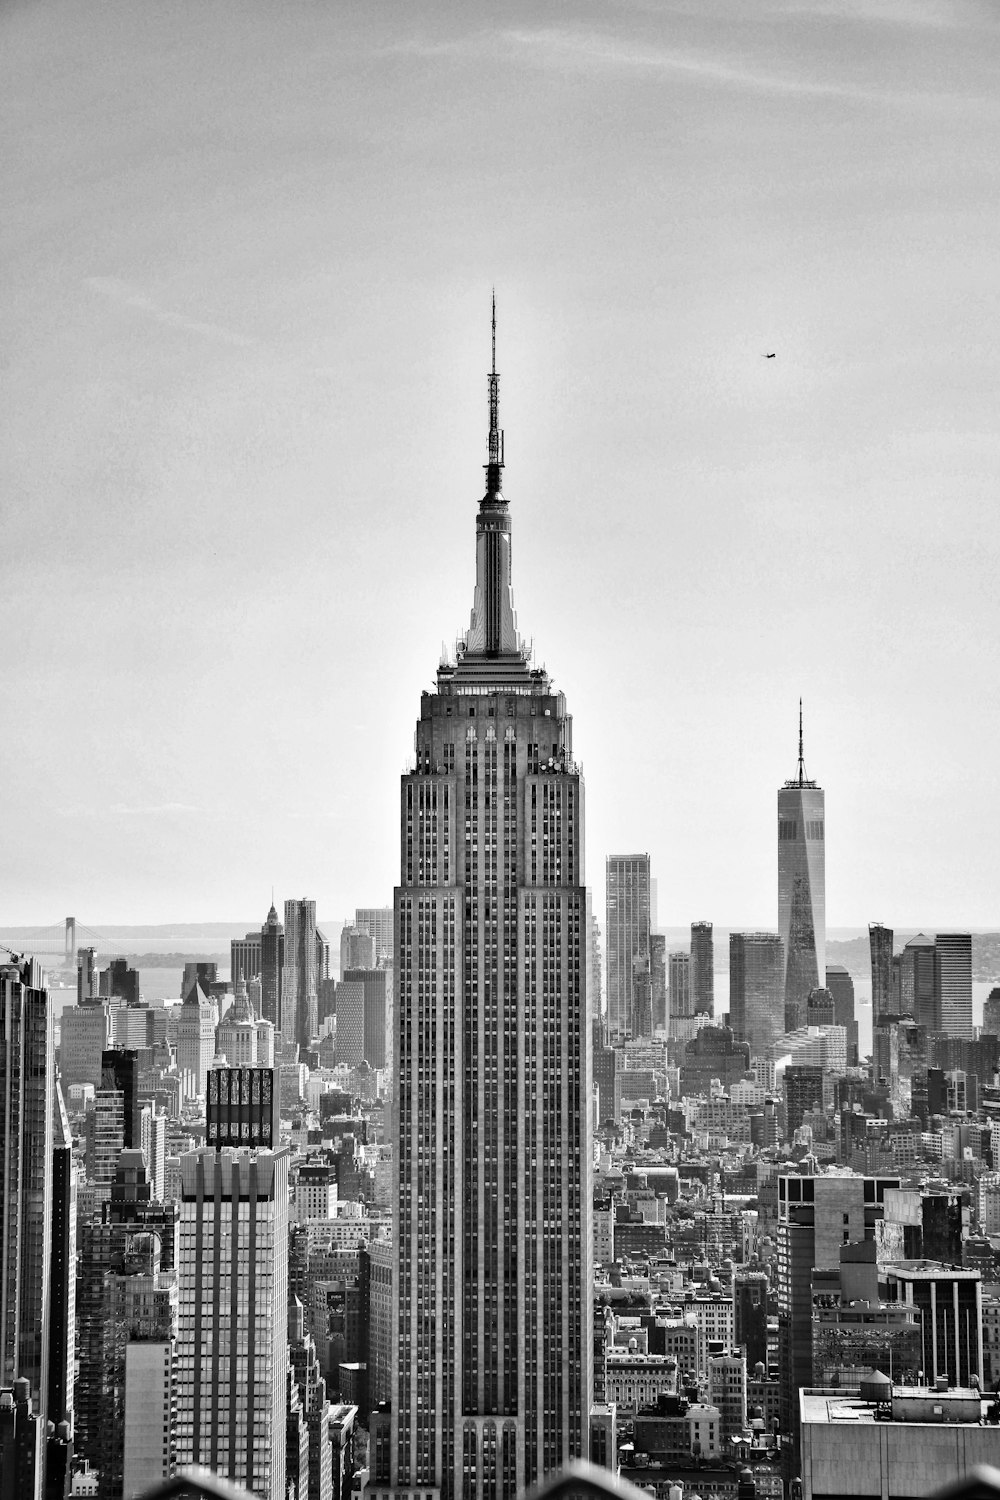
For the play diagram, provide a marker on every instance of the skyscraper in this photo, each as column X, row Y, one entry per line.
column 953, row 989
column 300, row 982
column 232, row 1353
column 361, row 1017
column 272, row 963
column 85, row 1033
column 816, row 1217
column 27, row 1112
column 841, row 987
column 679, row 984
column 756, row 1005
column 242, row 1108
column 801, row 887
column 357, row 948
column 702, row 969
column 627, row 934
column 87, row 977
column 991, row 1012
column 880, row 945
column 917, row 982
column 244, row 958
column 491, row 1335
column 195, row 1041
column 377, row 921
column 119, row 981
column 62, row 1350
column 657, row 980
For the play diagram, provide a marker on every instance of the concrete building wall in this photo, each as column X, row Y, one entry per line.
column 148, row 1417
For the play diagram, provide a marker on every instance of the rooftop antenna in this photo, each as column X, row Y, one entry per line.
column 495, row 463
column 802, row 767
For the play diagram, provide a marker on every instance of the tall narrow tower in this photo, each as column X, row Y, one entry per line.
column 801, row 887
column 27, row 1110
column 299, row 983
column 629, row 909
column 491, row 1350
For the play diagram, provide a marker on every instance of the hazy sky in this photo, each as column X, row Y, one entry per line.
column 247, row 257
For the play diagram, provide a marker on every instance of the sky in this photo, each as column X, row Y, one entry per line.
column 248, row 255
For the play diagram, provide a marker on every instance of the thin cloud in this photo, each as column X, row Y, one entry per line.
column 934, row 15
column 129, row 296
column 561, row 48
column 124, row 810
column 556, row 47
column 154, row 810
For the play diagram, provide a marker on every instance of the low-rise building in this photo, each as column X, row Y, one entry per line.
column 889, row 1442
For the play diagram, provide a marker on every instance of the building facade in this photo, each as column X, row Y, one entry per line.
column 300, row 982
column 377, row 922
column 817, row 1216
column 626, row 934
column 232, row 1350
column 245, row 958
column 491, row 1330
column 756, row 989
column 880, row 946
column 953, row 974
column 272, row 967
column 679, row 985
column 702, row 969
column 27, row 1115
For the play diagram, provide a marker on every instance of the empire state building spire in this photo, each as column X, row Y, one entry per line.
column 495, row 464
column 493, row 645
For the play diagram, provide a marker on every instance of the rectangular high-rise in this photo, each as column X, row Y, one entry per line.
column 85, row 1033
column 272, row 965
column 679, row 984
column 62, row 1273
column 702, row 969
column 880, row 946
column 232, row 1351
column 626, row 934
column 816, row 1217
column 377, row 922
column 244, row 958
column 361, row 1017
column 27, row 1114
column 300, row 981
column 491, row 1110
column 801, row 888
column 953, row 983
column 841, row 987
column 756, row 989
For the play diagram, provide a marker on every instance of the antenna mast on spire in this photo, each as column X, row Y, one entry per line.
column 802, row 767
column 496, row 436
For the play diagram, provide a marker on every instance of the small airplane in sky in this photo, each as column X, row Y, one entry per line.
column 767, row 356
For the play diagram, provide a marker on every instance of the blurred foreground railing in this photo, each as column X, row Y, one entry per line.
column 577, row 1481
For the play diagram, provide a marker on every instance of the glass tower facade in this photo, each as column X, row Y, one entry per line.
column 300, row 980
column 627, row 935
column 756, row 989
column 880, row 945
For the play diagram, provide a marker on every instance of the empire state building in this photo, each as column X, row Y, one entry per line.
column 491, row 1343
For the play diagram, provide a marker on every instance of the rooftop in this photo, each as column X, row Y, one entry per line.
column 846, row 1406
